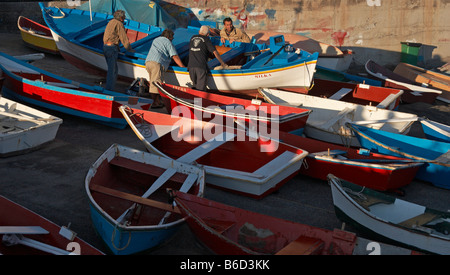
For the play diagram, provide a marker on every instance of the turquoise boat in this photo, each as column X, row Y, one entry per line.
column 128, row 200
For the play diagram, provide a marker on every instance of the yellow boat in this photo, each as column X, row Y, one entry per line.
column 36, row 36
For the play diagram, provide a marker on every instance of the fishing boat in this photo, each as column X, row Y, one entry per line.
column 25, row 232
column 244, row 162
column 327, row 121
column 128, row 201
column 228, row 230
column 435, row 130
column 426, row 78
column 23, row 129
column 215, row 107
column 36, row 36
column 391, row 219
column 358, row 93
column 31, row 85
column 411, row 92
column 79, row 40
column 330, row 57
column 435, row 154
column 333, row 75
column 360, row 166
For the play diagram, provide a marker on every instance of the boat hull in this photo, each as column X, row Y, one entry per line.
column 125, row 225
column 227, row 230
column 243, row 164
column 89, row 102
column 412, row 93
column 29, row 135
column 254, row 114
column 351, row 212
column 375, row 171
column 428, row 151
column 36, row 36
column 327, row 121
column 126, row 241
column 14, row 215
column 435, row 131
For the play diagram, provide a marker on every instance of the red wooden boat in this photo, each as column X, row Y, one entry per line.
column 233, row 159
column 411, row 92
column 214, row 107
column 228, row 230
column 362, row 167
column 24, row 232
column 358, row 93
column 32, row 85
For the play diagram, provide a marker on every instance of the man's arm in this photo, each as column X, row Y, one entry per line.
column 217, row 55
column 177, row 60
column 124, row 38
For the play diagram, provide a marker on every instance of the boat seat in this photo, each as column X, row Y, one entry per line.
column 387, row 101
column 219, row 225
column 330, row 153
column 145, row 169
column 91, row 31
column 303, row 245
column 274, row 164
column 369, row 201
column 22, row 230
column 206, row 147
column 133, row 198
column 418, row 220
column 234, row 105
column 340, row 94
column 327, row 124
column 235, row 52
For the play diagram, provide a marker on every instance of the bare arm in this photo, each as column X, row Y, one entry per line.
column 217, row 55
column 177, row 60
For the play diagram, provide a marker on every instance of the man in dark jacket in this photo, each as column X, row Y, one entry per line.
column 200, row 47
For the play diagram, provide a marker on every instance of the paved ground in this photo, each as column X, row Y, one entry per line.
column 50, row 181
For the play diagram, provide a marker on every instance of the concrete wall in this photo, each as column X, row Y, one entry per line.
column 371, row 28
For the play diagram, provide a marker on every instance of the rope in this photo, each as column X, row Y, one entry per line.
column 113, row 236
column 57, row 17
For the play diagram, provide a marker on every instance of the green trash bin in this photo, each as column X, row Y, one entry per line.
column 410, row 52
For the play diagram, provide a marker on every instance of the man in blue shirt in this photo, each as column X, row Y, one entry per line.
column 158, row 60
column 200, row 47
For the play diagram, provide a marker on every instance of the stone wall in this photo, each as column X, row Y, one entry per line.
column 371, row 28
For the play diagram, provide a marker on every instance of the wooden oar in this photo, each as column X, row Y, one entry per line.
column 134, row 198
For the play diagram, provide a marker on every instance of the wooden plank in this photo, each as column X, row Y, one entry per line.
column 22, row 230
column 388, row 100
column 188, row 183
column 303, row 245
column 272, row 166
column 134, row 198
column 206, row 147
column 340, row 94
column 418, row 220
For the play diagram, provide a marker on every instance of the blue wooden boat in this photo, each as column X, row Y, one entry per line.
column 435, row 130
column 80, row 42
column 128, row 200
column 435, row 154
column 31, row 85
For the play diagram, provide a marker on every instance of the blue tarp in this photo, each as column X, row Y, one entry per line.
column 144, row 11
